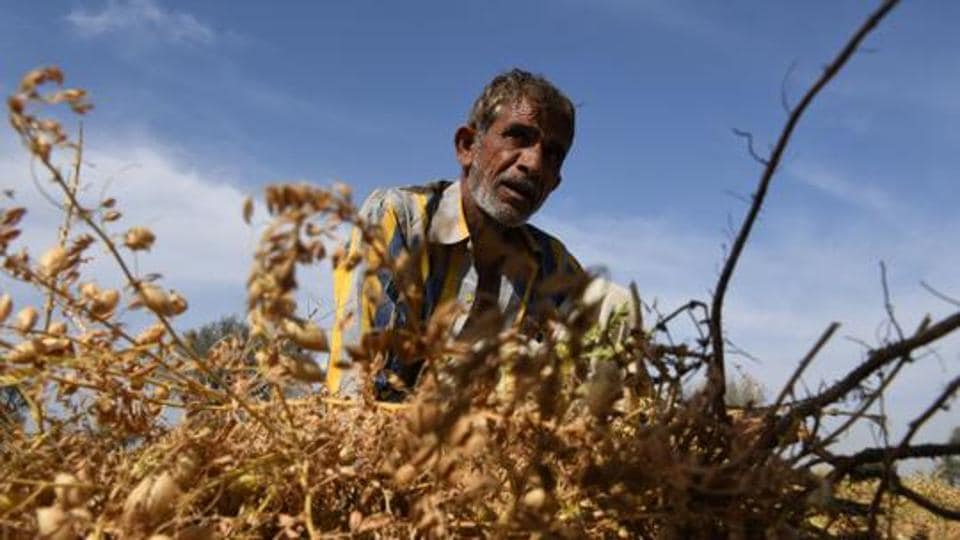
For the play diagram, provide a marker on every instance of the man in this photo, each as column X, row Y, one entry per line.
column 471, row 235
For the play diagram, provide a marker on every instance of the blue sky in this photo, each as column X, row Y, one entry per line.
column 202, row 103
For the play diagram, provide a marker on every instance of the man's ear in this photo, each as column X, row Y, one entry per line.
column 463, row 141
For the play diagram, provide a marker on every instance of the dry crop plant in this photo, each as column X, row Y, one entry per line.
column 580, row 434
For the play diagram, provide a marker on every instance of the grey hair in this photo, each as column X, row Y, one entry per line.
column 510, row 87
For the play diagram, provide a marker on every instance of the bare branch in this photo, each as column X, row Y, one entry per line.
column 784, row 100
column 715, row 374
column 876, row 455
column 876, row 360
column 940, row 295
column 788, row 388
column 937, row 404
column 749, row 137
column 887, row 303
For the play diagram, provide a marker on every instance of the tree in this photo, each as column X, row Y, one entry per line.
column 205, row 337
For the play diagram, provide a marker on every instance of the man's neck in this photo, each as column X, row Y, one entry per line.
column 490, row 239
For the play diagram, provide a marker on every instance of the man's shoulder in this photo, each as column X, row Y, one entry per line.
column 407, row 199
column 434, row 187
column 410, row 209
column 555, row 257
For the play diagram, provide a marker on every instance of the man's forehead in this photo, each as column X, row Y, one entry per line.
column 548, row 118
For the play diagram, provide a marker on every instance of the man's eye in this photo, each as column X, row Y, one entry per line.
column 517, row 135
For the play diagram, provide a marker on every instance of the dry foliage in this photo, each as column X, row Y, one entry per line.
column 582, row 434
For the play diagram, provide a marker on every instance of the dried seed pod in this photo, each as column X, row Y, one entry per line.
column 54, row 261
column 535, row 498
column 160, row 302
column 57, row 328
column 346, row 456
column 303, row 369
column 152, row 501
column 356, row 518
column 26, row 318
column 6, row 306
column 151, row 335
column 23, row 353
column 104, row 302
column 405, row 474
column 89, row 290
column 139, row 238
column 38, row 76
column 54, row 523
column 176, row 304
column 187, row 466
column 16, row 104
column 69, row 496
column 73, row 94
column 309, row 336
column 154, row 298
column 40, row 148
column 54, row 345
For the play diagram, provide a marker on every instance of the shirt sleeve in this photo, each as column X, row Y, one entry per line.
column 362, row 299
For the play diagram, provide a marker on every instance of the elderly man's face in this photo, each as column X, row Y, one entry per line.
column 515, row 165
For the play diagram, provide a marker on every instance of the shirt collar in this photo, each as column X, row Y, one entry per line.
column 449, row 224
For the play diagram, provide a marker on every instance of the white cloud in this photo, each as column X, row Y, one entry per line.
column 861, row 193
column 142, row 18
column 203, row 247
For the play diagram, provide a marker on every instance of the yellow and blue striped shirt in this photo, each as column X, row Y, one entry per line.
column 428, row 222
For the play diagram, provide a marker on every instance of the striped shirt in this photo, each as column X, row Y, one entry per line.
column 432, row 216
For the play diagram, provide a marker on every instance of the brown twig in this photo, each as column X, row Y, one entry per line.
column 68, row 211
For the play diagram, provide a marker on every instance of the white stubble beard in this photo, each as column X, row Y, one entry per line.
column 485, row 197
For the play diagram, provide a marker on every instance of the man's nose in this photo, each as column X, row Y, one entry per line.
column 531, row 160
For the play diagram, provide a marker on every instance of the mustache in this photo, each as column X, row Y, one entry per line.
column 524, row 184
